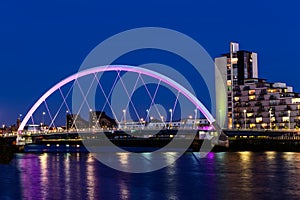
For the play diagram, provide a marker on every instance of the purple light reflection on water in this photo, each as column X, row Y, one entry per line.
column 219, row 175
column 211, row 155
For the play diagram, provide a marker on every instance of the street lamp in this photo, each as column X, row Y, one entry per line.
column 245, row 118
column 162, row 119
column 171, row 113
column 195, row 118
column 147, row 117
column 67, row 112
column 270, row 113
column 124, row 117
column 289, row 112
column 43, row 118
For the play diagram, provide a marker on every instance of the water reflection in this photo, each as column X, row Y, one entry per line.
column 247, row 175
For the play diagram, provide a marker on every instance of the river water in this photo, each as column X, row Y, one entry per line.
column 230, row 175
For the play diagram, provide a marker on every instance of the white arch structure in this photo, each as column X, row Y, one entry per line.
column 125, row 68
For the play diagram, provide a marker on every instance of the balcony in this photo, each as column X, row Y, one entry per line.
column 263, row 92
column 261, row 109
column 258, row 115
column 282, row 114
column 282, row 102
column 258, row 103
column 260, row 98
column 287, row 108
column 246, row 104
column 250, row 110
column 237, row 89
column 272, row 97
column 237, row 94
column 237, row 104
column 246, row 88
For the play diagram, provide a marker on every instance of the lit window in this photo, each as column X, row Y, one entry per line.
column 252, row 125
column 272, row 90
column 236, row 98
column 251, row 92
column 295, row 100
column 258, row 119
column 285, row 119
column 229, row 83
column 249, row 114
column 272, row 119
column 251, row 98
column 234, row 60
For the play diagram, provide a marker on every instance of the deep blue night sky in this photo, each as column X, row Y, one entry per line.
column 42, row 42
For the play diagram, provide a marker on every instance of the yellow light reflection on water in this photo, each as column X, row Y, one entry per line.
column 90, row 174
column 270, row 155
column 67, row 176
column 44, row 173
column 124, row 192
column 246, row 163
column 245, row 157
column 289, row 156
column 123, row 158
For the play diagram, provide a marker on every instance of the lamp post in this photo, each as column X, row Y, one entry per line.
column 147, row 117
column 124, row 117
column 162, row 119
column 43, row 118
column 171, row 113
column 289, row 112
column 245, row 118
column 195, row 117
column 270, row 113
column 67, row 128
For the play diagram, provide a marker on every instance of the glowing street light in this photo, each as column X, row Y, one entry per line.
column 67, row 112
column 245, row 118
column 162, row 119
column 124, row 117
column 171, row 113
column 43, row 118
column 270, row 113
column 147, row 117
column 289, row 112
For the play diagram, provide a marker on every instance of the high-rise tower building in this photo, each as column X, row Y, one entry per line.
column 234, row 68
column 246, row 101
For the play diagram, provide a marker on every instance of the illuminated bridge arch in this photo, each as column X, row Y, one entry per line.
column 120, row 68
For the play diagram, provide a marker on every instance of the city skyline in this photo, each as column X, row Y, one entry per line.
column 38, row 50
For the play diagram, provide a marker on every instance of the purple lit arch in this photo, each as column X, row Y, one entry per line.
column 125, row 68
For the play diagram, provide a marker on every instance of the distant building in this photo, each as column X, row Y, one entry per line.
column 186, row 123
column 99, row 119
column 249, row 101
column 74, row 121
column 32, row 128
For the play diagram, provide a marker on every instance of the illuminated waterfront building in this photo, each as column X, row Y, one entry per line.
column 250, row 102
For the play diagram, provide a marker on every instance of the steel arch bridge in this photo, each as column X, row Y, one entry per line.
column 115, row 68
